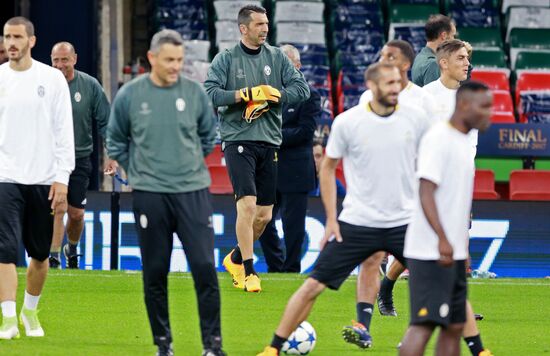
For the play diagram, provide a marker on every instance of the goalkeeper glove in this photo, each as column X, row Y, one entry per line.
column 254, row 110
column 260, row 93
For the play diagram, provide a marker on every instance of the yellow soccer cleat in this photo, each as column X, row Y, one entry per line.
column 269, row 351
column 235, row 270
column 252, row 284
column 485, row 353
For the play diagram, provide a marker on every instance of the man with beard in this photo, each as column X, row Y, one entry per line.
column 3, row 52
column 88, row 103
column 377, row 207
column 248, row 83
column 36, row 159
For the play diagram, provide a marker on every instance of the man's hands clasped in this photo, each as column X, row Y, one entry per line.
column 260, row 93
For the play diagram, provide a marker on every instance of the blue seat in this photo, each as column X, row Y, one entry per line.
column 535, row 105
column 316, row 75
column 415, row 35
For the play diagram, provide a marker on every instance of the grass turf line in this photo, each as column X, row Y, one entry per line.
column 103, row 313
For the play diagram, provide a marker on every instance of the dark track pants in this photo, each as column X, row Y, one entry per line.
column 158, row 216
column 293, row 207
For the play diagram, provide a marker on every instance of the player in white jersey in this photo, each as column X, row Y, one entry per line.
column 453, row 59
column 436, row 244
column 401, row 54
column 36, row 159
column 379, row 200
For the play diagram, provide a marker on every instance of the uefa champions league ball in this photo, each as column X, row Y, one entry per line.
column 301, row 341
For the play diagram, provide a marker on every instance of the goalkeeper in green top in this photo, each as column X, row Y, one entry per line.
column 248, row 83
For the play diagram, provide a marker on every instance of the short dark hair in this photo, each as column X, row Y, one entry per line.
column 447, row 48
column 436, row 25
column 470, row 86
column 20, row 20
column 373, row 71
column 243, row 18
column 165, row 36
column 405, row 48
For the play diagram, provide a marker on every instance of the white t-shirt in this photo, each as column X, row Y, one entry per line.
column 379, row 163
column 450, row 167
column 412, row 95
column 36, row 126
column 445, row 101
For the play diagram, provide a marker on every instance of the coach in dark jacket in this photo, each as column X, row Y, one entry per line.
column 296, row 177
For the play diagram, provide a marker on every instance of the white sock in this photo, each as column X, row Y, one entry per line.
column 8, row 309
column 30, row 302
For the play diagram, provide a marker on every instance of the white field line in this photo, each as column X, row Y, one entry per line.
column 173, row 275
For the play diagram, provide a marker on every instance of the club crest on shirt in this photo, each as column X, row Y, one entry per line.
column 145, row 108
column 77, row 97
column 267, row 70
column 240, row 74
column 41, row 91
column 180, row 104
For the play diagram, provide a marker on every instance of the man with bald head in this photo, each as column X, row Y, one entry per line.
column 88, row 103
column 295, row 178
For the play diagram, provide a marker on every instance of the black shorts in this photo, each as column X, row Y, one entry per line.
column 25, row 213
column 438, row 294
column 338, row 259
column 79, row 182
column 252, row 168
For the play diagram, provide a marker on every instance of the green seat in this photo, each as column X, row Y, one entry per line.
column 481, row 37
column 532, row 38
column 501, row 166
column 542, row 164
column 533, row 60
column 489, row 58
column 409, row 13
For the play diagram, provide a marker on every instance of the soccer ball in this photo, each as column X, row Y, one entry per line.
column 301, row 341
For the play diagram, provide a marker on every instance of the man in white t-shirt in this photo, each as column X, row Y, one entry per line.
column 36, row 159
column 378, row 143
column 401, row 54
column 436, row 244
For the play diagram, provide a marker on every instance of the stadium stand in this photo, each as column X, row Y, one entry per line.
column 220, row 180
column 484, row 185
column 530, row 185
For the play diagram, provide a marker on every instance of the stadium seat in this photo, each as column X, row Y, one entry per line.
column 411, row 13
column 215, row 158
column 527, row 17
column 533, row 60
column 532, row 95
column 228, row 10
column 508, row 3
column 340, row 175
column 530, row 185
column 481, row 38
column 489, row 58
column 301, row 32
column 502, row 101
column 476, row 14
column 496, row 80
column 500, row 166
column 414, row 34
column 484, row 185
column 220, row 180
column 294, row 11
column 528, row 40
column 502, row 118
column 228, row 32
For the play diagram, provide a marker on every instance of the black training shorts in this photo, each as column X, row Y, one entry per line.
column 338, row 259
column 79, row 182
column 438, row 294
column 252, row 168
column 25, row 213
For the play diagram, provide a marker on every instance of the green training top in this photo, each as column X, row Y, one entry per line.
column 160, row 135
column 234, row 69
column 89, row 102
column 425, row 68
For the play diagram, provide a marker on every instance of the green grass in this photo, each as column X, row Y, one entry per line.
column 102, row 313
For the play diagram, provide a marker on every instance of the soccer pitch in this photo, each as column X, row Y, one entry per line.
column 102, row 313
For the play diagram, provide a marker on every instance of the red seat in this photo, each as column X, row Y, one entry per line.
column 530, row 185
column 503, row 118
column 496, row 80
column 484, row 185
column 220, row 180
column 340, row 175
column 215, row 158
column 502, row 101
